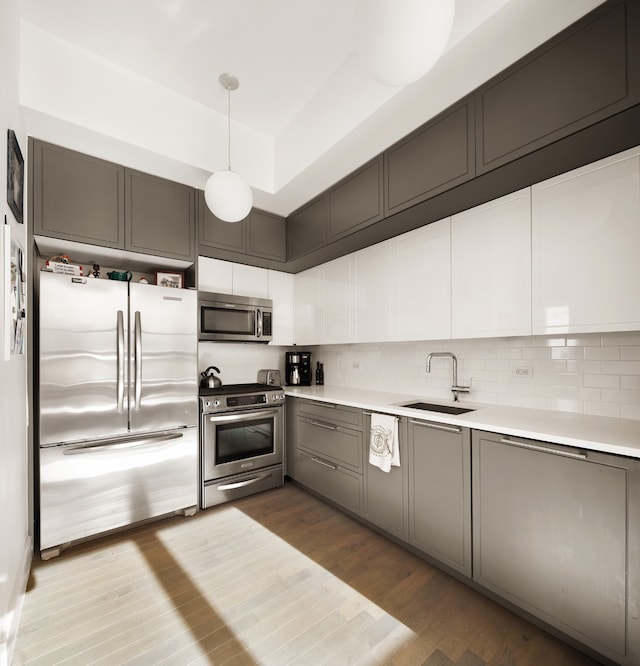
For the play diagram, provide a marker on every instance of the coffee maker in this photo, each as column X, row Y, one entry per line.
column 298, row 369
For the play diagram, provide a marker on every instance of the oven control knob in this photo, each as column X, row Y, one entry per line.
column 216, row 403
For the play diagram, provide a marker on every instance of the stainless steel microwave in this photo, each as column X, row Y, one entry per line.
column 222, row 317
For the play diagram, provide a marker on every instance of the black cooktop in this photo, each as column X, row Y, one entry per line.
column 235, row 389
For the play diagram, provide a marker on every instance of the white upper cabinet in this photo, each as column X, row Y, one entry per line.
column 374, row 291
column 215, row 275
column 250, row 281
column 308, row 307
column 586, row 235
column 422, row 299
column 337, row 301
column 282, row 292
column 491, row 269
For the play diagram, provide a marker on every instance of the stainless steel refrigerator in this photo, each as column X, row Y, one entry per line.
column 117, row 405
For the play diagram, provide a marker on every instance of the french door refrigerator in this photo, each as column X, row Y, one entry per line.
column 118, row 410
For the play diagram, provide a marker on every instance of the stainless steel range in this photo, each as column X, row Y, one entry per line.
column 241, row 441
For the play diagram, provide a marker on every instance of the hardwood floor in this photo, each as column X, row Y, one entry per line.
column 276, row 578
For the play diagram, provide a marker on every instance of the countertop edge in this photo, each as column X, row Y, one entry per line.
column 602, row 434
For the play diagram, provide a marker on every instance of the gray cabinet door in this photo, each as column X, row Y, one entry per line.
column 436, row 157
column 160, row 216
column 554, row 533
column 307, row 228
column 386, row 502
column 266, row 236
column 215, row 233
column 440, row 493
column 587, row 73
column 357, row 201
column 77, row 197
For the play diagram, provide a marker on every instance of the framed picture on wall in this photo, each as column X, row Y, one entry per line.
column 15, row 176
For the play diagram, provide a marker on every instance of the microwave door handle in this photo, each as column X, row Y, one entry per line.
column 259, row 323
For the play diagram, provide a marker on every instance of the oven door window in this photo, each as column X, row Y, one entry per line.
column 238, row 441
column 231, row 321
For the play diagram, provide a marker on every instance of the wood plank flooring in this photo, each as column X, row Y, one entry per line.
column 276, row 578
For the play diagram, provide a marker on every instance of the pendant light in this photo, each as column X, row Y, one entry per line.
column 228, row 197
column 399, row 41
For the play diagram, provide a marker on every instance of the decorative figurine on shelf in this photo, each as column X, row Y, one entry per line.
column 95, row 272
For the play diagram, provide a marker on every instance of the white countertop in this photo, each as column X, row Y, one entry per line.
column 597, row 433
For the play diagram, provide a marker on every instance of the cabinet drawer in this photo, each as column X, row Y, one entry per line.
column 341, row 486
column 332, row 414
column 334, row 443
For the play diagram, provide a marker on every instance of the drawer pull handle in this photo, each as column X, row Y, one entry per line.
column 324, row 463
column 544, row 449
column 330, row 405
column 436, row 426
column 324, row 425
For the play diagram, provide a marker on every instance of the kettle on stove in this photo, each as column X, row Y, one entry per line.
column 209, row 380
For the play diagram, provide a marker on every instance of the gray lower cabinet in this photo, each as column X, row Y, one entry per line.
column 328, row 455
column 82, row 198
column 386, row 501
column 440, row 492
column 556, row 532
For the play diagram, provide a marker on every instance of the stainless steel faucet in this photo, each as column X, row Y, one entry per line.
column 455, row 387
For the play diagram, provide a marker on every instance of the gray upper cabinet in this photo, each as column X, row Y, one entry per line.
column 81, row 198
column 307, row 228
column 266, row 236
column 260, row 234
column 587, row 73
column 160, row 216
column 77, row 197
column 436, row 157
column 357, row 201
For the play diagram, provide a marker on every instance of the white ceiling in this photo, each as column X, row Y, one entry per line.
column 305, row 114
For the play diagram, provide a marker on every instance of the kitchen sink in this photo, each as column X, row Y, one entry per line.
column 430, row 407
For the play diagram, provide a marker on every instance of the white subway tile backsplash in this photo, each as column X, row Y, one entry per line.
column 590, row 373
column 572, row 353
column 602, row 381
column 601, row 353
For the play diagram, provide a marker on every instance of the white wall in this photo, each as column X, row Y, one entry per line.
column 239, row 363
column 590, row 373
column 15, row 544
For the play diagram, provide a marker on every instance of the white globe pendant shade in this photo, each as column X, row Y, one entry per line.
column 398, row 41
column 228, row 197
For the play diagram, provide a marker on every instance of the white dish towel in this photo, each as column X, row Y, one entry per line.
column 384, row 447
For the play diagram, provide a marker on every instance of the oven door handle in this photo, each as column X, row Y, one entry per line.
column 243, row 416
column 245, row 482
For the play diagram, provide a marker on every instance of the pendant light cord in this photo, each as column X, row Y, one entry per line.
column 229, row 127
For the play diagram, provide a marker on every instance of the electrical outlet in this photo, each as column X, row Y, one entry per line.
column 522, row 371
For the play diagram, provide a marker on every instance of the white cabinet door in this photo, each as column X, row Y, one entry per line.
column 586, row 235
column 281, row 292
column 423, row 283
column 337, row 301
column 250, row 281
column 374, row 279
column 308, row 309
column 491, row 268
column 215, row 275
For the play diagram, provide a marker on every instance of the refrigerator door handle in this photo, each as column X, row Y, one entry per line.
column 138, row 362
column 120, row 443
column 120, row 360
